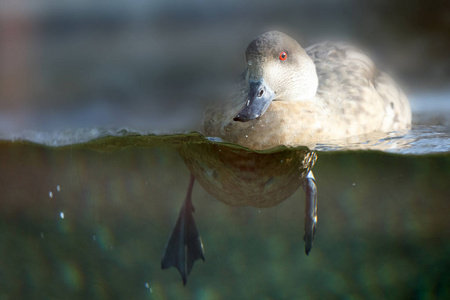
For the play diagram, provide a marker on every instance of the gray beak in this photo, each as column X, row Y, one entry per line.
column 258, row 100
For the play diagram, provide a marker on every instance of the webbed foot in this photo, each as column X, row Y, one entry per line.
column 184, row 246
column 309, row 185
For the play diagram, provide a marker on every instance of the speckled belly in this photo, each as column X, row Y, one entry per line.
column 240, row 177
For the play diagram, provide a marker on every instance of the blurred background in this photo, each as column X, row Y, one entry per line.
column 155, row 65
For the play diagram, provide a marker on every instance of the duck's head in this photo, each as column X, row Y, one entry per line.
column 277, row 69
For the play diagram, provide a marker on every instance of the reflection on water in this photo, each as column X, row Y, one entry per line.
column 90, row 221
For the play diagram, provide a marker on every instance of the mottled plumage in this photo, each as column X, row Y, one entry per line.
column 352, row 96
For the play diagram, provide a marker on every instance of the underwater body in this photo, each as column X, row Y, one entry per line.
column 87, row 214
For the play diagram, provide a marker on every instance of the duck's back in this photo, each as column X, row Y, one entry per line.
column 361, row 94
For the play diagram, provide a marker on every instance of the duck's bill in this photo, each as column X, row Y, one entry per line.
column 259, row 98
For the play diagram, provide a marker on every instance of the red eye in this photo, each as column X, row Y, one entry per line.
column 283, row 55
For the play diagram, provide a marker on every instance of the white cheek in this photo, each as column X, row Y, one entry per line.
column 274, row 75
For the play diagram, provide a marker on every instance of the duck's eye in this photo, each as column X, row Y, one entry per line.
column 283, row 55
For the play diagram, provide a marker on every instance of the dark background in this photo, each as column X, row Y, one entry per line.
column 156, row 64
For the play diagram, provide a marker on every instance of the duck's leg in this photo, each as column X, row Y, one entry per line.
column 309, row 185
column 184, row 245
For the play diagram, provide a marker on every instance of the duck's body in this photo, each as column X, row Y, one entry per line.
column 287, row 96
column 336, row 92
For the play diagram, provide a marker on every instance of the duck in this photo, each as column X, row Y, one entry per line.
column 287, row 96
column 293, row 96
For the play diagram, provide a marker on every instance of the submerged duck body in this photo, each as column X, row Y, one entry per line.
column 239, row 177
column 291, row 96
